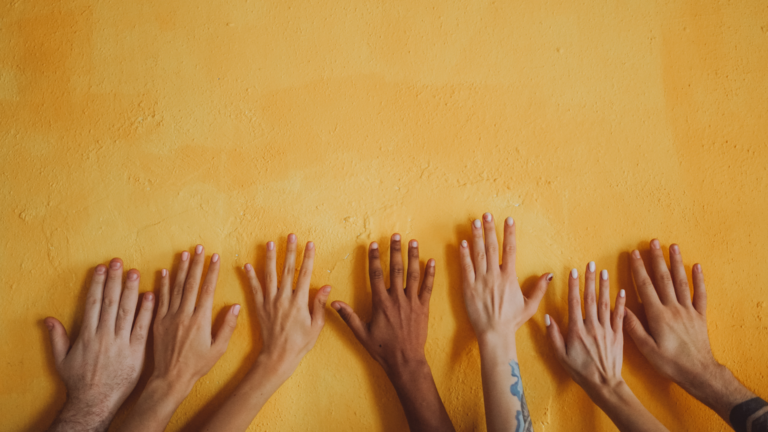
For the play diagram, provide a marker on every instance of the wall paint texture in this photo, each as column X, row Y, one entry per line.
column 139, row 129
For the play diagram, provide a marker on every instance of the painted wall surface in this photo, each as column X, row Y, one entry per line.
column 139, row 129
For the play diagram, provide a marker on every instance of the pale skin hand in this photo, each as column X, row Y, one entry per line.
column 497, row 308
column 288, row 332
column 185, row 350
column 397, row 333
column 676, row 342
column 592, row 352
column 102, row 367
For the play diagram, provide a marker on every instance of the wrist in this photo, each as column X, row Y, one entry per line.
column 277, row 367
column 493, row 344
column 172, row 390
column 717, row 388
column 407, row 369
column 85, row 415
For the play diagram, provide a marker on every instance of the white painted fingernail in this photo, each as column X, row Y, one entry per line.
column 574, row 273
column 592, row 266
column 396, row 237
column 476, row 223
column 374, row 245
column 604, row 275
column 622, row 293
column 547, row 320
column 549, row 277
column 510, row 221
column 215, row 258
column 414, row 244
column 463, row 243
column 164, row 272
column 487, row 217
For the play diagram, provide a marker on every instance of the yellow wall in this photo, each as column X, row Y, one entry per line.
column 138, row 129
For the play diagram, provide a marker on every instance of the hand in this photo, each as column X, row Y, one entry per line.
column 397, row 333
column 101, row 369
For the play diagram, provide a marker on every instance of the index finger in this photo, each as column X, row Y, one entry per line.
column 642, row 281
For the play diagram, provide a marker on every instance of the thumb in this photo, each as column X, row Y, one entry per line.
column 221, row 340
column 318, row 307
column 636, row 331
column 556, row 338
column 532, row 302
column 350, row 317
column 59, row 338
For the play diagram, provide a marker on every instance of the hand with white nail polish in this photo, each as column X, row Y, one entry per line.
column 497, row 308
column 289, row 330
column 397, row 333
column 592, row 351
column 185, row 348
column 103, row 365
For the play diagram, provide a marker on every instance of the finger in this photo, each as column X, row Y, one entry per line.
column 270, row 272
column 192, row 284
column 699, row 292
column 662, row 280
column 205, row 305
column 376, row 274
column 556, row 339
column 491, row 243
column 163, row 299
column 412, row 281
column 59, row 338
column 467, row 267
column 509, row 254
column 305, row 274
column 396, row 268
column 478, row 248
column 353, row 321
column 427, row 283
column 679, row 278
column 178, row 285
column 617, row 317
column 258, row 294
column 127, row 309
column 590, row 299
column 221, row 340
column 318, row 307
column 636, row 331
column 143, row 320
column 111, row 300
column 575, row 319
column 94, row 299
column 604, row 300
column 289, row 267
column 643, row 283
column 534, row 298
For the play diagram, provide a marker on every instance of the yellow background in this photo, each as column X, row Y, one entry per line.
column 139, row 129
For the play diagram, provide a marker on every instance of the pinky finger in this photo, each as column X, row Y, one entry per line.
column 143, row 319
column 617, row 316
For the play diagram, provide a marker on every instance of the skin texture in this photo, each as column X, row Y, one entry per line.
column 676, row 342
column 288, row 332
column 592, row 352
column 397, row 333
column 497, row 308
column 102, row 367
column 185, row 350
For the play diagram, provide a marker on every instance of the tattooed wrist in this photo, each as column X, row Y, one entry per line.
column 750, row 415
column 522, row 416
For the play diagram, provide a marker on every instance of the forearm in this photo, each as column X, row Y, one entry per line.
column 624, row 409
column 718, row 389
column 505, row 405
column 418, row 395
column 80, row 416
column 156, row 405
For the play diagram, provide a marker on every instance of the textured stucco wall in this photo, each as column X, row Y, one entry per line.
column 138, row 129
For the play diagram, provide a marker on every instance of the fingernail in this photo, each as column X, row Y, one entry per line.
column 199, row 249
column 463, row 243
column 592, row 266
column 236, row 310
column 675, row 248
column 270, row 245
column 431, row 263
column 622, row 293
column 396, row 237
column 414, row 244
column 487, row 217
column 476, row 223
column 310, row 245
column 248, row 267
column 604, row 275
column 655, row 244
column 132, row 276
column 510, row 221
column 164, row 272
column 215, row 258
column 697, row 267
column 184, row 256
column 547, row 320
column 326, row 290
column 115, row 265
column 49, row 325
column 149, row 296
column 336, row 306
column 636, row 254
column 291, row 238
column 549, row 277
column 574, row 273
column 374, row 245
column 100, row 269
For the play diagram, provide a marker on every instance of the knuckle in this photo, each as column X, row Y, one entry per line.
column 376, row 274
column 481, row 256
column 398, row 271
column 108, row 303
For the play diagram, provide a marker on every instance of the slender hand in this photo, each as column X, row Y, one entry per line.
column 288, row 332
column 397, row 333
column 185, row 350
column 101, row 369
column 497, row 308
column 592, row 352
column 677, row 343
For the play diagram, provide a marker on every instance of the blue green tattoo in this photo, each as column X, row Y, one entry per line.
column 522, row 416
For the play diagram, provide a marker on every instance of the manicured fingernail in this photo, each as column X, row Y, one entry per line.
column 149, row 297
column 592, row 266
column 636, row 254
column 697, row 267
column 236, row 310
column 549, row 277
column 487, row 217
column 675, row 248
column 604, row 275
column 414, row 244
column 463, row 243
column 291, row 238
column 164, row 272
column 326, row 290
column 547, row 320
column 248, row 267
column 100, row 269
column 310, row 246
column 510, row 221
column 199, row 249
column 215, row 258
column 132, row 276
column 574, row 273
column 270, row 245
column 476, row 223
column 184, row 256
column 396, row 237
column 115, row 264
column 622, row 293
column 655, row 244
column 431, row 263
column 374, row 245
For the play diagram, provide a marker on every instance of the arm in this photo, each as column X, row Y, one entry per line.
column 497, row 308
column 677, row 343
column 397, row 333
column 101, row 369
column 185, row 350
column 288, row 332
column 592, row 352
